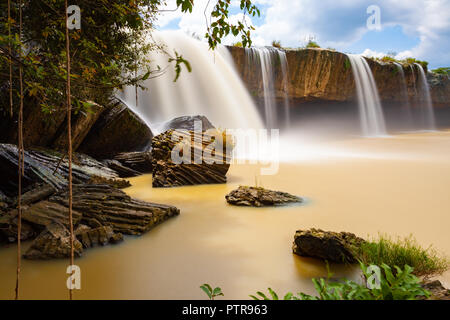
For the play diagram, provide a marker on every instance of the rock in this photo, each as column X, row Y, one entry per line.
column 97, row 236
column 8, row 229
column 53, row 242
column 258, row 197
column 82, row 122
column 186, row 123
column 38, row 193
column 45, row 212
column 117, row 130
column 106, row 206
column 46, row 167
column 140, row 162
column 123, row 171
column 210, row 167
column 437, row 290
column 4, row 202
column 326, row 245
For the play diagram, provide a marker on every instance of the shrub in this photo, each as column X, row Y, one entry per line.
column 444, row 71
column 312, row 44
column 401, row 285
column 276, row 44
column 402, row 252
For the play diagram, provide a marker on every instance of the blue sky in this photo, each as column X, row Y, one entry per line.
column 410, row 28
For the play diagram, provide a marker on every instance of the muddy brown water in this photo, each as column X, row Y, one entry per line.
column 398, row 185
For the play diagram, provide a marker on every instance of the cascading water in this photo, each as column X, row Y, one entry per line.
column 285, row 71
column 213, row 88
column 265, row 57
column 426, row 107
column 406, row 106
column 371, row 113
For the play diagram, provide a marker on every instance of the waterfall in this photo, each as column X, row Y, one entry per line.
column 426, row 105
column 213, row 88
column 406, row 106
column 370, row 111
column 266, row 57
column 285, row 71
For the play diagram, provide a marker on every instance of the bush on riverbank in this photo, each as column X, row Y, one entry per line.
column 401, row 252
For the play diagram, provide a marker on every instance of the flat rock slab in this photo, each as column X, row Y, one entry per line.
column 259, row 197
column 338, row 247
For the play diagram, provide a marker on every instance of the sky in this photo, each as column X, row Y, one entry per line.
column 408, row 28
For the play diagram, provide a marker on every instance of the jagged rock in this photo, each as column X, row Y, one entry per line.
column 117, row 130
column 46, row 166
column 437, row 290
column 326, row 245
column 210, row 167
column 4, row 202
column 53, row 242
column 107, row 206
column 38, row 193
column 140, row 162
column 186, row 123
column 90, row 237
column 258, row 197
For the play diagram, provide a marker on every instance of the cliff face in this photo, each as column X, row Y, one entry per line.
column 319, row 74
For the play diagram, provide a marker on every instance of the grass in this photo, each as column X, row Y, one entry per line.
column 401, row 252
column 312, row 44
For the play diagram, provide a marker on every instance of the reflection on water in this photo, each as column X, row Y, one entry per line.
column 397, row 185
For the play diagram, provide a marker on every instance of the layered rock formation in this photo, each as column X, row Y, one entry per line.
column 259, row 197
column 202, row 157
column 326, row 75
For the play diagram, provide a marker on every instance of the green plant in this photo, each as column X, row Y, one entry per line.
column 276, row 44
column 401, row 285
column 210, row 292
column 312, row 44
column 401, row 252
column 444, row 71
column 237, row 44
column 347, row 64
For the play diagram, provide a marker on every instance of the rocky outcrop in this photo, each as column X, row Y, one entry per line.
column 336, row 247
column 103, row 205
column 48, row 167
column 326, row 75
column 259, row 197
column 201, row 158
column 117, row 130
column 53, row 242
column 187, row 123
column 140, row 162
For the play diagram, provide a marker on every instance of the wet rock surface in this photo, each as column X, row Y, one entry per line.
column 208, row 157
column 331, row 246
column 139, row 162
column 259, row 197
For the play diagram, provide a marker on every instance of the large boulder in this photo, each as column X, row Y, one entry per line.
column 90, row 237
column 117, row 130
column 53, row 242
column 186, row 123
column 103, row 205
column 331, row 246
column 258, row 197
column 208, row 161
